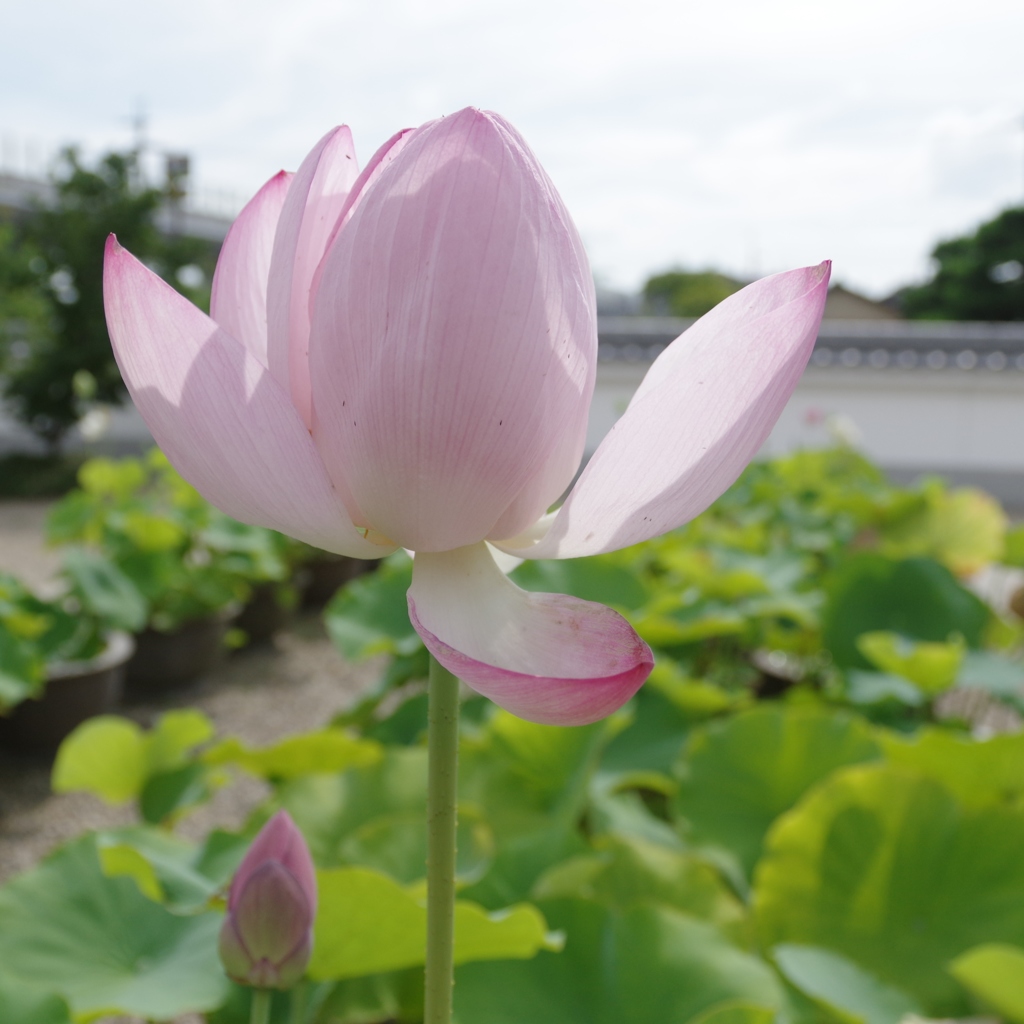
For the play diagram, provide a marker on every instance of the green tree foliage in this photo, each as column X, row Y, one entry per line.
column 25, row 307
column 682, row 293
column 979, row 277
column 56, row 275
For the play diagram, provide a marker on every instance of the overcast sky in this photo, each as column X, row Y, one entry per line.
column 749, row 135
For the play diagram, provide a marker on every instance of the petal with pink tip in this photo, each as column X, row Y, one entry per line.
column 311, row 209
column 219, row 416
column 453, row 345
column 702, row 412
column 548, row 658
column 280, row 840
column 238, row 301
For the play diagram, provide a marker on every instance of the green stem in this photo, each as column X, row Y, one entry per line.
column 259, row 1012
column 298, row 1003
column 443, row 743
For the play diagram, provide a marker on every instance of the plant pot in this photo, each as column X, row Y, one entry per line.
column 326, row 574
column 75, row 691
column 165, row 661
column 263, row 615
column 1017, row 603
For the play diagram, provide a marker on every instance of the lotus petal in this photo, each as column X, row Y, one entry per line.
column 702, row 412
column 238, row 301
column 311, row 209
column 548, row 658
column 453, row 343
column 219, row 416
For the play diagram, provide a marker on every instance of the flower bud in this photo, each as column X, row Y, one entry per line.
column 267, row 935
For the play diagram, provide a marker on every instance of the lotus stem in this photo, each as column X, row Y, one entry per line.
column 443, row 743
column 259, row 1012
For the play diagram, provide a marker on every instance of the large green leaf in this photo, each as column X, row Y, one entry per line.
column 181, row 876
column 367, row 923
column 977, row 772
column 320, row 752
column 649, row 965
column 114, row 758
column 841, row 985
column 995, row 973
column 20, row 1004
column 373, row 815
column 104, row 589
column 887, row 869
column 104, row 946
column 626, row 872
column 917, row 598
column 601, row 578
column 527, row 777
column 740, row 774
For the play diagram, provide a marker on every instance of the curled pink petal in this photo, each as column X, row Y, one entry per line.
column 238, row 301
column 702, row 412
column 311, row 209
column 453, row 343
column 219, row 416
column 548, row 658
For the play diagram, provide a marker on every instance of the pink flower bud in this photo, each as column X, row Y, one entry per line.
column 267, row 935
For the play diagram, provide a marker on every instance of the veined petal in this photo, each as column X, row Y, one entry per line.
column 238, row 301
column 219, row 416
column 311, row 209
column 702, row 412
column 548, row 658
column 280, row 840
column 367, row 176
column 453, row 344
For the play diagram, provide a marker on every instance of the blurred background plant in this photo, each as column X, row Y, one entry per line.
column 55, row 356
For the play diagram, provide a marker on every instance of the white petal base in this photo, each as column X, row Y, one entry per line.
column 548, row 658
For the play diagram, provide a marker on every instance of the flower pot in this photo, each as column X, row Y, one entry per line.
column 1017, row 603
column 165, row 661
column 326, row 574
column 75, row 691
column 263, row 615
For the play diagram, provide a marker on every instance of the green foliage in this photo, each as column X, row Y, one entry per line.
column 740, row 774
column 978, row 276
column 649, row 965
column 994, row 972
column 64, row 357
column 367, row 923
column 19, row 1005
column 687, row 293
column 38, row 635
column 889, row 870
column 65, row 927
column 141, row 547
column 842, row 986
column 780, row 825
column 114, row 759
column 916, row 598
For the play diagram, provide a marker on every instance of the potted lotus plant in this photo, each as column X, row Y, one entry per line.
column 136, row 552
column 58, row 667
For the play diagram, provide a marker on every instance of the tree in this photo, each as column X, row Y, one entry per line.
column 72, row 359
column 682, row 293
column 26, row 312
column 978, row 277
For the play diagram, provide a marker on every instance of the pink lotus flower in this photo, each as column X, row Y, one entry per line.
column 406, row 357
column 267, row 936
